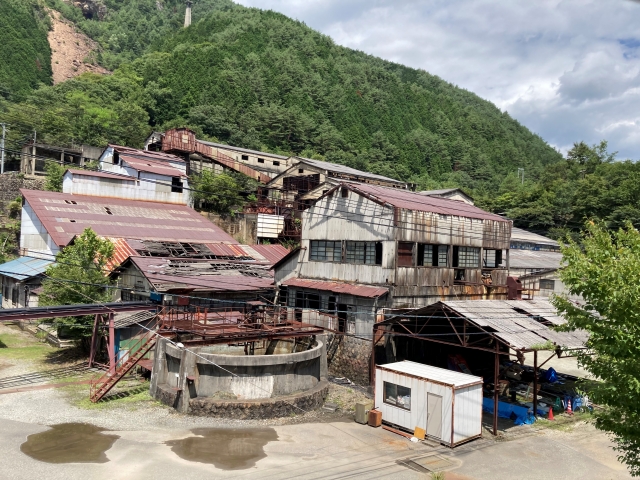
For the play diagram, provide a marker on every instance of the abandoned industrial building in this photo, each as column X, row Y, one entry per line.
column 393, row 249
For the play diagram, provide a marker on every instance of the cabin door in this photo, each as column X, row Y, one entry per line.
column 434, row 415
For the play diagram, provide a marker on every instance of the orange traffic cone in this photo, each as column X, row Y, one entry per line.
column 551, row 413
column 568, row 410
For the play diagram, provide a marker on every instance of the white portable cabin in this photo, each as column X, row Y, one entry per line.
column 446, row 404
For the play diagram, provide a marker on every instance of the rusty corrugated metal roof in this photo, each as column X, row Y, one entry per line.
column 337, row 287
column 147, row 154
column 122, row 251
column 91, row 173
column 414, row 201
column 234, row 277
column 272, row 253
column 152, row 166
column 65, row 216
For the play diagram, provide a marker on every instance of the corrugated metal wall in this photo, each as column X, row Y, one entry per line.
column 468, row 413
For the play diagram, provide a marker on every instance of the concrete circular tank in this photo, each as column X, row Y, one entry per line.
column 278, row 378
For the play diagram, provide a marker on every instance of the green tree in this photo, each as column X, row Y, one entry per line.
column 218, row 193
column 55, row 172
column 78, row 277
column 605, row 271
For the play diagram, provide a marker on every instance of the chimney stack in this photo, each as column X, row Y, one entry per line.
column 187, row 14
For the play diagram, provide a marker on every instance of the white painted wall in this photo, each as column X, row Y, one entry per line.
column 467, row 421
column 34, row 239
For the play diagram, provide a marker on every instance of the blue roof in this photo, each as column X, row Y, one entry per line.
column 24, row 267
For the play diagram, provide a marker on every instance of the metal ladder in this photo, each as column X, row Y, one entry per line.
column 102, row 386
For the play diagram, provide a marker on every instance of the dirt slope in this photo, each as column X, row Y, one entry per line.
column 69, row 49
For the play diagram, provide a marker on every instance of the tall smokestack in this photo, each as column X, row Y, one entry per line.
column 187, row 14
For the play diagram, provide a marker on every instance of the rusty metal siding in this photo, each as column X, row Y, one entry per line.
column 179, row 140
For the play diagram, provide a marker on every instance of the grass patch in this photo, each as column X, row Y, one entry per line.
column 32, row 353
column 14, row 340
column 564, row 423
column 132, row 395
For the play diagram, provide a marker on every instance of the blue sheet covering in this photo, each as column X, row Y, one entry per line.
column 519, row 415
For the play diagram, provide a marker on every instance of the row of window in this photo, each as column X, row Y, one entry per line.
column 409, row 254
column 366, row 253
column 276, row 163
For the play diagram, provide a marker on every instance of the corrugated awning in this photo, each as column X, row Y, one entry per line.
column 24, row 268
column 337, row 287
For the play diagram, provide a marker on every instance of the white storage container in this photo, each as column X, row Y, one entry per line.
column 446, row 404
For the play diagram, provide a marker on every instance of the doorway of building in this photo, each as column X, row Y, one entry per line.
column 434, row 415
column 342, row 317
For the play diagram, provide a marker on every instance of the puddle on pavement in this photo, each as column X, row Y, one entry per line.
column 70, row 443
column 227, row 449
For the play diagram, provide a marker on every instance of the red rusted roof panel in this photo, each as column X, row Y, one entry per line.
column 337, row 287
column 65, row 216
column 152, row 166
column 414, row 201
column 147, row 154
column 272, row 253
column 153, row 268
column 122, row 251
column 90, row 173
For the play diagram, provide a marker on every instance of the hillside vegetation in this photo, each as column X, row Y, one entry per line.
column 261, row 80
column 25, row 57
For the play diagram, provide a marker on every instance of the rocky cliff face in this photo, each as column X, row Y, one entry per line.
column 92, row 9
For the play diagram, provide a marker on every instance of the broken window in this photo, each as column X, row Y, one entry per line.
column 492, row 258
column 466, row 257
column 368, row 253
column 405, row 254
column 433, row 255
column 326, row 251
column 397, row 395
column 176, row 185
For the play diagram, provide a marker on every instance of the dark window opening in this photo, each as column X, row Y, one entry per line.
column 313, row 301
column 275, row 164
column 331, row 306
column 301, row 170
column 72, row 221
column 492, row 258
column 108, row 210
column 342, row 317
column 467, row 257
column 345, row 192
column 397, row 395
column 301, row 184
column 176, row 185
column 245, row 157
column 261, row 160
column 405, row 254
column 547, row 284
column 116, row 158
column 325, row 251
column 368, row 253
column 433, row 255
column 71, row 202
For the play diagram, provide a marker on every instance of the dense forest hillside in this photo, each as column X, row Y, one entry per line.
column 25, row 57
column 261, row 80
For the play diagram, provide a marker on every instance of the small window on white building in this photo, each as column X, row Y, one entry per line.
column 397, row 395
column 176, row 185
column 245, row 157
column 261, row 160
column 276, row 164
column 116, row 158
column 325, row 251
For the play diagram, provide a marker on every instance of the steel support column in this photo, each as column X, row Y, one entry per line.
column 94, row 339
column 112, row 345
column 535, row 383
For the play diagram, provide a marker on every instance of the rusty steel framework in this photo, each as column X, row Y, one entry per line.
column 467, row 335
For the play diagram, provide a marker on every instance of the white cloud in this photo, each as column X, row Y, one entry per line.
column 567, row 69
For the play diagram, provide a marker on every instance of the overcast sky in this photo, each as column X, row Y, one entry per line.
column 567, row 69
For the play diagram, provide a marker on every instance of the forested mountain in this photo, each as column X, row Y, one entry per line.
column 261, row 80
column 25, row 57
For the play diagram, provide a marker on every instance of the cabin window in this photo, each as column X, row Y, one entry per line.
column 466, row 257
column 276, row 164
column 176, row 185
column 492, row 258
column 433, row 255
column 368, row 253
column 325, row 251
column 261, row 160
column 405, row 254
column 245, row 157
column 397, row 395
column 546, row 284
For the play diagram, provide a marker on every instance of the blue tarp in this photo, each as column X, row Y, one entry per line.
column 516, row 413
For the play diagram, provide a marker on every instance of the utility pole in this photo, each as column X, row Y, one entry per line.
column 4, row 131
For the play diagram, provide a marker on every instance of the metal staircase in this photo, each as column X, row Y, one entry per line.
column 102, row 386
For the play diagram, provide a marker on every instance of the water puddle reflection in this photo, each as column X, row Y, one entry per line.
column 70, row 443
column 227, row 449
